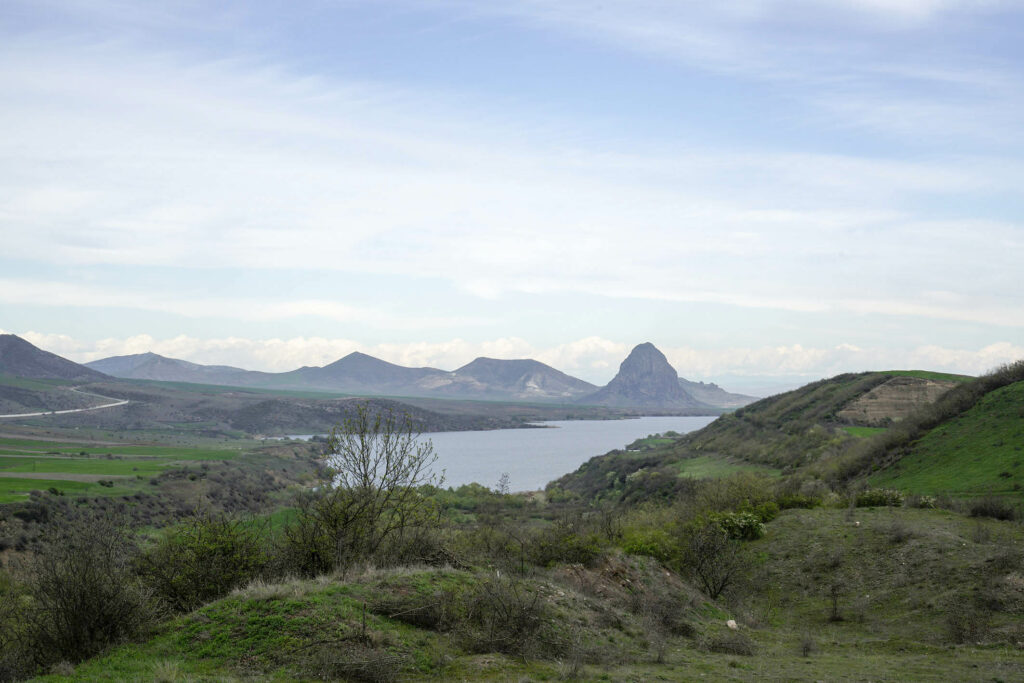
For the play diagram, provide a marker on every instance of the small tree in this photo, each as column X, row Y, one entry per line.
column 714, row 559
column 379, row 463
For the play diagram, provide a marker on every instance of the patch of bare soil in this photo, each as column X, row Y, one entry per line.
column 894, row 400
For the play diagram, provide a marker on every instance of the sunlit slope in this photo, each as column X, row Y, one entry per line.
column 979, row 451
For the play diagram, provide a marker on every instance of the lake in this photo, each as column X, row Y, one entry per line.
column 534, row 457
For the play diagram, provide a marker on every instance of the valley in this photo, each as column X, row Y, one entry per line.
column 862, row 526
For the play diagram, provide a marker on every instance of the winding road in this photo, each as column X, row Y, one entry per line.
column 115, row 403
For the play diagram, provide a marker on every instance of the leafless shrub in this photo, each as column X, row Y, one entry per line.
column 731, row 643
column 714, row 559
column 900, row 532
column 356, row 662
column 504, row 614
column 83, row 593
column 967, row 624
column 981, row 533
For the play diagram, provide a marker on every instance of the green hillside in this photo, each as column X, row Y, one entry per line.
column 779, row 433
column 977, row 452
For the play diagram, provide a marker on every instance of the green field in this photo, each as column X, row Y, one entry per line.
column 13, row 490
column 77, row 466
column 714, row 467
column 981, row 451
column 863, row 431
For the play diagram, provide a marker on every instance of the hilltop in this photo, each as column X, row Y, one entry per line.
column 19, row 358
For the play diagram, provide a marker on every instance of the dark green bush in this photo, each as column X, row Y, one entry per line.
column 879, row 498
column 563, row 544
column 789, row 501
column 203, row 559
column 993, row 507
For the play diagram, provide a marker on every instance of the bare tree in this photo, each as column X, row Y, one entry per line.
column 379, row 462
column 714, row 559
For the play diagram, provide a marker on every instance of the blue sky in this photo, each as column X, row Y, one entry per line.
column 769, row 191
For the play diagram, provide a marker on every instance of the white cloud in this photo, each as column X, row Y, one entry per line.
column 247, row 165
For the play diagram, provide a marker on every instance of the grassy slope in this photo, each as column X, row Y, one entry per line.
column 787, row 430
column 980, row 451
column 896, row 591
column 928, row 374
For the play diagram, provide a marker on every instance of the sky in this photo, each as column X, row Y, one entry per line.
column 770, row 191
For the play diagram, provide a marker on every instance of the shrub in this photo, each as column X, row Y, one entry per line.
column 766, row 511
column 713, row 558
column 504, row 614
column 790, row 501
column 356, row 662
column 203, row 559
column 732, row 643
column 656, row 543
column 13, row 660
column 967, row 625
column 879, row 498
column 745, row 526
column 84, row 595
column 993, row 507
column 568, row 540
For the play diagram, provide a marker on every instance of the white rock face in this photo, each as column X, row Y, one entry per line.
column 732, row 624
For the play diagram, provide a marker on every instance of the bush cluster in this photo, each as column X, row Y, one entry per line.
column 879, row 498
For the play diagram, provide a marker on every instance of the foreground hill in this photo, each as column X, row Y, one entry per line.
column 902, row 595
column 19, row 358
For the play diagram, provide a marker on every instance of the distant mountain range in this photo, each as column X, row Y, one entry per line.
column 645, row 379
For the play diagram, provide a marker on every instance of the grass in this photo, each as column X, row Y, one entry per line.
column 980, row 451
column 13, row 490
column 90, row 460
column 863, row 431
column 714, row 467
column 928, row 374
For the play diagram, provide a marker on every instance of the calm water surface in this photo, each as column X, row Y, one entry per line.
column 533, row 457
